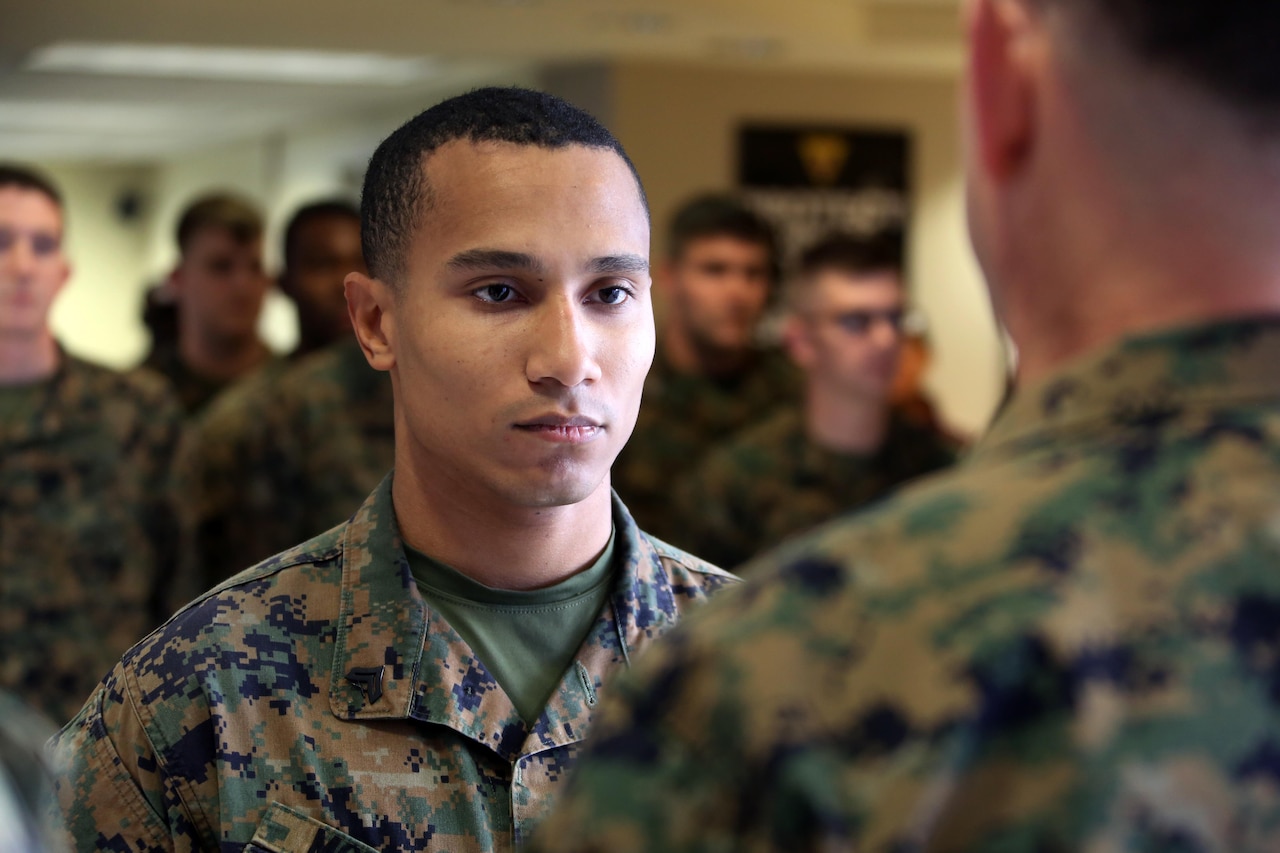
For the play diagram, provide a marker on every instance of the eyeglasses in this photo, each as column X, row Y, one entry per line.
column 861, row 322
column 42, row 245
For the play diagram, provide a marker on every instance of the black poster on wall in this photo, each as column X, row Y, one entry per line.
column 813, row 179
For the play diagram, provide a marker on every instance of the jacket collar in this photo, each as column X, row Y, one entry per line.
column 1143, row 382
column 395, row 658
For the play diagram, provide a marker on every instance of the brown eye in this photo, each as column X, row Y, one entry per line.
column 495, row 293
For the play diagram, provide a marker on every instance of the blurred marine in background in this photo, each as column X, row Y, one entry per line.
column 87, row 542
column 709, row 377
column 843, row 445
column 289, row 453
column 218, row 288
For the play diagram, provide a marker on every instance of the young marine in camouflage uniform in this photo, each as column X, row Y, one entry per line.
column 289, row 453
column 1069, row 642
column 709, row 378
column 420, row 677
column 87, row 542
column 218, row 287
column 843, row 446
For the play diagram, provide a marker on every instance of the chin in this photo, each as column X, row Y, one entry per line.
column 553, row 493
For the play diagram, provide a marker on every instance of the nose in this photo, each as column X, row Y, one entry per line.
column 561, row 347
column 20, row 258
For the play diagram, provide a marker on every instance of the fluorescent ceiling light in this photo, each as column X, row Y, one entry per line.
column 230, row 63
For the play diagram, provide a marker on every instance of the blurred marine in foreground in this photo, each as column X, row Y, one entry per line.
column 1070, row 642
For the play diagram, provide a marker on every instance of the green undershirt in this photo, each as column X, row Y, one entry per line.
column 526, row 639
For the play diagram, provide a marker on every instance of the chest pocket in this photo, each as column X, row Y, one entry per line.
column 283, row 830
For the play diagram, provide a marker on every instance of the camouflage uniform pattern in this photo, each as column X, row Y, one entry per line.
column 193, row 390
column 315, row 702
column 682, row 418
column 1069, row 642
column 87, row 537
column 282, row 457
column 771, row 482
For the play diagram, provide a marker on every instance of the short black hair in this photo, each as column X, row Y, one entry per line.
column 396, row 193
column 330, row 208
column 236, row 215
column 854, row 254
column 26, row 178
column 721, row 215
column 1226, row 46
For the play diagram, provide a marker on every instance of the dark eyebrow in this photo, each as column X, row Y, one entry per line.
column 613, row 264
column 495, row 259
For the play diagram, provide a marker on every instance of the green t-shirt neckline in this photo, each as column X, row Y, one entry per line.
column 526, row 639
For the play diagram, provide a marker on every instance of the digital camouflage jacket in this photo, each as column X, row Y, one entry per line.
column 1069, row 642
column 87, row 536
column 280, row 458
column 315, row 702
column 771, row 482
column 684, row 417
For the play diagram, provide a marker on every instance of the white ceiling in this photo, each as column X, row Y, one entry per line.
column 65, row 115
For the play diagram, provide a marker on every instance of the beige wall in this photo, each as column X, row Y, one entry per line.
column 680, row 123
column 98, row 314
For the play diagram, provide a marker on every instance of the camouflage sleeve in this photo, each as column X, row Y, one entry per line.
column 228, row 468
column 650, row 779
column 710, row 513
column 108, row 783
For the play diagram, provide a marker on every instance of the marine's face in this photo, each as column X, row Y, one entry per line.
column 325, row 249
column 849, row 333
column 524, row 329
column 220, row 283
column 32, row 266
column 719, row 288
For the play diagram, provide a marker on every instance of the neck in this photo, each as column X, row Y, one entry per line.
column 220, row 358
column 468, row 528
column 686, row 356
column 28, row 359
column 837, row 422
column 1121, row 297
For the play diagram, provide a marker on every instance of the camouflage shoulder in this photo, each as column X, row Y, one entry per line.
column 140, row 385
column 322, row 549
column 683, row 562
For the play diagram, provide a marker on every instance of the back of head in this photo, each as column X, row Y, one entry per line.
column 396, row 193
column 1225, row 47
column 237, row 216
column 718, row 215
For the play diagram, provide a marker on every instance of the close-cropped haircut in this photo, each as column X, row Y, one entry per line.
column 332, row 208
column 854, row 255
column 224, row 211
column 717, row 215
column 1228, row 47
column 25, row 178
column 849, row 254
column 396, row 193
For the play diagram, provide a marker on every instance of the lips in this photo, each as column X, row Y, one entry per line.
column 563, row 429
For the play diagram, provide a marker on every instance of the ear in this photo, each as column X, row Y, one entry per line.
column 369, row 301
column 1001, row 84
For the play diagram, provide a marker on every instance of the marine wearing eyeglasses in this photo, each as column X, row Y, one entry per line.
column 842, row 446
